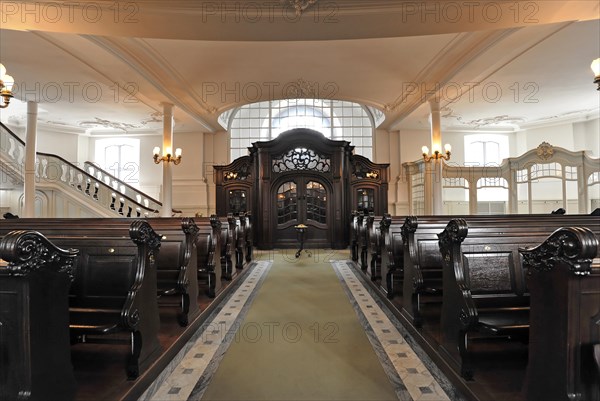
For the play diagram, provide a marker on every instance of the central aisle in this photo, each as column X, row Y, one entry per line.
column 300, row 340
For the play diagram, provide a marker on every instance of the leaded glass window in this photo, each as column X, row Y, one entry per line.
column 237, row 202
column 365, row 199
column 316, row 202
column 287, row 202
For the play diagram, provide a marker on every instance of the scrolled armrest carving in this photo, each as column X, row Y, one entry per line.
column 30, row 251
column 574, row 246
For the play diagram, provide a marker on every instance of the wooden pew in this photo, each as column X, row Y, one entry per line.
column 177, row 264
column 241, row 247
column 210, row 244
column 392, row 255
column 363, row 242
column 564, row 318
column 484, row 288
column 355, row 223
column 228, row 247
column 35, row 357
column 247, row 228
column 422, row 259
column 115, row 289
column 374, row 241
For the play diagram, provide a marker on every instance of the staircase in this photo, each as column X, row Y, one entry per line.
column 93, row 191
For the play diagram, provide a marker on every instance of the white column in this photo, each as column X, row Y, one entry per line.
column 167, row 187
column 30, row 155
column 436, row 144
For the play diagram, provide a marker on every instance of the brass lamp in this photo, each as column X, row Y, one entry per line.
column 167, row 157
column 437, row 154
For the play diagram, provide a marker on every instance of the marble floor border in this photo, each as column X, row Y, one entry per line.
column 190, row 371
column 412, row 373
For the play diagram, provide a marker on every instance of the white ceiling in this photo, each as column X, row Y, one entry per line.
column 492, row 66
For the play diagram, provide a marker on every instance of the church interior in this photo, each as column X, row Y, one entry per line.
column 299, row 200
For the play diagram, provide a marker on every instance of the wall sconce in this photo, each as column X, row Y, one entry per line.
column 596, row 68
column 436, row 153
column 6, row 85
column 167, row 157
column 372, row 174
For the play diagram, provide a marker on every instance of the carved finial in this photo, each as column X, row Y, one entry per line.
column 410, row 226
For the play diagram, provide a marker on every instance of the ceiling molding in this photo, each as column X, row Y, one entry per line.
column 88, row 61
column 158, row 72
column 457, row 55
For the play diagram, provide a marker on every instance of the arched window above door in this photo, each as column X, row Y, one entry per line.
column 335, row 119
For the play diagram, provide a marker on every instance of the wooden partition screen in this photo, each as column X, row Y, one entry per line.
column 301, row 177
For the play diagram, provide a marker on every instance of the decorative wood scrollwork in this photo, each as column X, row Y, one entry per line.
column 410, row 226
column 242, row 173
column 362, row 171
column 574, row 246
column 30, row 251
column 142, row 233
column 301, row 159
column 453, row 235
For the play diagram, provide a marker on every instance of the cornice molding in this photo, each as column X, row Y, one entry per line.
column 158, row 72
column 453, row 58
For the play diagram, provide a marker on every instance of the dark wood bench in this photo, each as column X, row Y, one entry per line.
column 174, row 274
column 485, row 293
column 228, row 247
column 209, row 243
column 355, row 234
column 241, row 248
column 35, row 356
column 115, row 289
column 374, row 241
column 423, row 278
column 248, row 243
column 564, row 284
column 392, row 255
column 177, row 263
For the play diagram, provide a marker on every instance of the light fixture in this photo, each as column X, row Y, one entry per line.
column 437, row 154
column 6, row 85
column 596, row 68
column 230, row 175
column 167, row 157
column 372, row 174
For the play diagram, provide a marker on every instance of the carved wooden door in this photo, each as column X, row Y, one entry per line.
column 302, row 200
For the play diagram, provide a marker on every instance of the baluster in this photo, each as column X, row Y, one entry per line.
column 65, row 172
column 44, row 172
column 113, row 200
column 138, row 212
column 97, row 187
column 87, row 187
column 129, row 211
column 121, row 204
column 79, row 181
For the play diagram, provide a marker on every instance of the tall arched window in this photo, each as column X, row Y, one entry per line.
column 120, row 157
column 335, row 119
column 487, row 150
